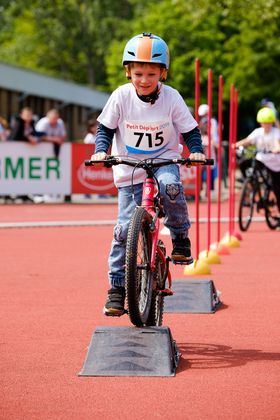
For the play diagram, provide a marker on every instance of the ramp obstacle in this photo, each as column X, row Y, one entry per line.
column 131, row 351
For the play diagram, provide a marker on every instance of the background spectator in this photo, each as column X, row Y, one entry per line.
column 4, row 129
column 91, row 132
column 53, row 127
column 23, row 128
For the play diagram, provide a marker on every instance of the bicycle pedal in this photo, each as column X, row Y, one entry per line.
column 165, row 292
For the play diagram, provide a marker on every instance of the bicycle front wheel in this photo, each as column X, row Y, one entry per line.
column 138, row 278
column 271, row 209
column 246, row 205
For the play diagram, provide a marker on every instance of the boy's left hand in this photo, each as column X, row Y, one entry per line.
column 197, row 156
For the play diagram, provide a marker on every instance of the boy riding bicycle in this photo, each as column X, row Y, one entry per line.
column 144, row 119
column 266, row 138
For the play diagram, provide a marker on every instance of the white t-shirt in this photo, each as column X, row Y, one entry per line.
column 50, row 130
column 265, row 144
column 145, row 130
column 89, row 138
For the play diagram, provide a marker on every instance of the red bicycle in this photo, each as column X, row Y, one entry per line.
column 147, row 265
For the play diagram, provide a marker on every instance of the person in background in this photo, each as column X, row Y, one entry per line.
column 90, row 139
column 266, row 102
column 266, row 138
column 53, row 127
column 4, row 129
column 203, row 111
column 4, row 133
column 23, row 128
column 91, row 132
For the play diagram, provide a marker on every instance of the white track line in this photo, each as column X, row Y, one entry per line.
column 68, row 223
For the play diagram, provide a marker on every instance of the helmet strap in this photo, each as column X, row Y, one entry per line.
column 152, row 97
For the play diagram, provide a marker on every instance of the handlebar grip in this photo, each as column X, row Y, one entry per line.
column 89, row 163
column 209, row 162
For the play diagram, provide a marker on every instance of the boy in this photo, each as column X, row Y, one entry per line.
column 144, row 119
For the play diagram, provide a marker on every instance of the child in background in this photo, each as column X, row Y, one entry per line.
column 266, row 138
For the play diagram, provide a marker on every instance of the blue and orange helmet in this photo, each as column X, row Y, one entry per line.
column 146, row 48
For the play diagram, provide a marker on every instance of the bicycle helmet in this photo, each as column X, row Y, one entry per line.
column 266, row 115
column 146, row 48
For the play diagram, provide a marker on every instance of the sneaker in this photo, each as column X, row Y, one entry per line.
column 181, row 253
column 114, row 305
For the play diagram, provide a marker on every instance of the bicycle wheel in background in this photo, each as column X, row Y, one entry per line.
column 159, row 278
column 138, row 279
column 271, row 209
column 246, row 205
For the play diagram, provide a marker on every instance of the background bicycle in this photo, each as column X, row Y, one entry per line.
column 257, row 194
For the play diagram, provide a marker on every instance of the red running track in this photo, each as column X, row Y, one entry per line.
column 53, row 286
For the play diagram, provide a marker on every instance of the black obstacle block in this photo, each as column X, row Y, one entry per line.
column 193, row 296
column 131, row 351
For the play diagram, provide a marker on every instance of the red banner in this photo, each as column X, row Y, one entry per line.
column 90, row 180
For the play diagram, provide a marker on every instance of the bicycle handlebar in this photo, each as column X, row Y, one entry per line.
column 148, row 163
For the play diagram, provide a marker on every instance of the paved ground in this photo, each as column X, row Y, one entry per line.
column 53, row 285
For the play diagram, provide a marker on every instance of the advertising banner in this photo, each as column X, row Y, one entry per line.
column 90, row 180
column 33, row 169
column 29, row 169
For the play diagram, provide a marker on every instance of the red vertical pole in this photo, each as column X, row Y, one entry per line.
column 234, row 137
column 208, row 181
column 220, row 133
column 230, row 169
column 197, row 182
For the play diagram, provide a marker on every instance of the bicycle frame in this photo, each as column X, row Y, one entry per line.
column 149, row 204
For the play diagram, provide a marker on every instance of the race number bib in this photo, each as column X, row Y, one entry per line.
column 146, row 137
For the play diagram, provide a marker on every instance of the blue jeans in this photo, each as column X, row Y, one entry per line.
column 176, row 216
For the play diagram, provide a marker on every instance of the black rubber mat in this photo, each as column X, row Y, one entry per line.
column 131, row 351
column 193, row 296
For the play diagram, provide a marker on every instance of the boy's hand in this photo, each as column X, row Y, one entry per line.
column 197, row 156
column 99, row 156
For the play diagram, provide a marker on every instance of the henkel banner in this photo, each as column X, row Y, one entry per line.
column 33, row 169
column 188, row 175
column 90, row 180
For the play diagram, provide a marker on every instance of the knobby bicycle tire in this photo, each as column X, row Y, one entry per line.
column 246, row 205
column 159, row 276
column 271, row 209
column 138, row 276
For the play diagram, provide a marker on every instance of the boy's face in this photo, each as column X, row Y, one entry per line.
column 267, row 127
column 145, row 77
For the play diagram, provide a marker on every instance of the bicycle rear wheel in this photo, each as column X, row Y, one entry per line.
column 159, row 277
column 271, row 209
column 246, row 205
column 138, row 279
